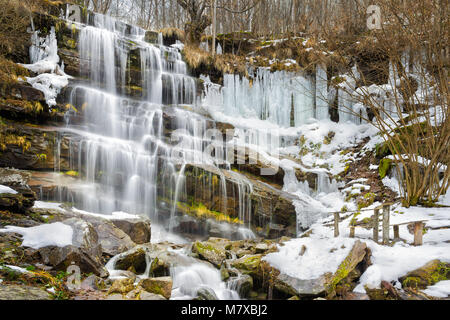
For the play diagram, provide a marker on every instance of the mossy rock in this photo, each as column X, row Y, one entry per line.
column 121, row 286
column 161, row 286
column 135, row 258
column 210, row 251
column 382, row 150
column 427, row 275
column 248, row 264
column 385, row 167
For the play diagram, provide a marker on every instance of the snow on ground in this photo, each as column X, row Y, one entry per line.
column 48, row 205
column 119, row 215
column 5, row 189
column 322, row 255
column 53, row 234
column 440, row 289
column 15, row 268
column 388, row 263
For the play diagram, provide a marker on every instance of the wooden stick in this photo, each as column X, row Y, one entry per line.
column 352, row 232
column 396, row 231
column 375, row 225
column 418, row 233
column 386, row 210
column 336, row 224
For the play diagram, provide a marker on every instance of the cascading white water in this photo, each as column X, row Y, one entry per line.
column 188, row 280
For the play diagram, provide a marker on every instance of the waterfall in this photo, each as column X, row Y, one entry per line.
column 122, row 154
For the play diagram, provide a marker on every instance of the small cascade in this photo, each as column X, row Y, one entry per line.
column 189, row 280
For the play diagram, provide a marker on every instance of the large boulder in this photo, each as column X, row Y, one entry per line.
column 85, row 251
column 138, row 229
column 134, row 259
column 112, row 239
column 160, row 258
column 291, row 286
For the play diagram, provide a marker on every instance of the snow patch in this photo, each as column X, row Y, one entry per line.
column 5, row 189
column 439, row 290
column 322, row 255
column 54, row 234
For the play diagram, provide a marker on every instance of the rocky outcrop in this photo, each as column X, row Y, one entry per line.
column 351, row 268
column 112, row 239
column 32, row 147
column 19, row 202
column 222, row 192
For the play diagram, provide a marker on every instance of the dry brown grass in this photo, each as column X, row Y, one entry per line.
column 14, row 20
column 200, row 59
column 11, row 71
column 173, row 32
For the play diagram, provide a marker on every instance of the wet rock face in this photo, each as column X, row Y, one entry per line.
column 219, row 191
column 33, row 148
column 19, row 202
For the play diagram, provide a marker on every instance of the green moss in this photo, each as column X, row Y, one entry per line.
column 382, row 150
column 428, row 275
column 384, row 167
column 367, row 200
column 202, row 248
column 72, row 173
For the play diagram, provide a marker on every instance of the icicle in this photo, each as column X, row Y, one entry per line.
column 322, row 112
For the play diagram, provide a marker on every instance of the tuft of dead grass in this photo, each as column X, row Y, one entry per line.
column 199, row 59
column 173, row 33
